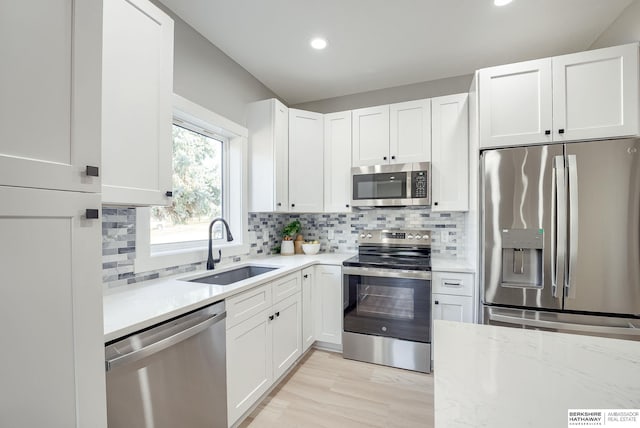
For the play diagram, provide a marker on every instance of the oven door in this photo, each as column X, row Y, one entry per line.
column 388, row 302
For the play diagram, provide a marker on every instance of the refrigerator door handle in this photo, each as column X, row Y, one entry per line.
column 572, row 168
column 558, row 222
column 583, row 328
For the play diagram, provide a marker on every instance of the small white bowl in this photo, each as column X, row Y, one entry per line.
column 311, row 248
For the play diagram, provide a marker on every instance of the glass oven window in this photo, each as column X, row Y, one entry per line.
column 380, row 186
column 386, row 302
column 388, row 306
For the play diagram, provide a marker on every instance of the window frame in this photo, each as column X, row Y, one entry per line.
column 234, row 206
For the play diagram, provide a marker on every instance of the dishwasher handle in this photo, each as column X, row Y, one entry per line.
column 163, row 344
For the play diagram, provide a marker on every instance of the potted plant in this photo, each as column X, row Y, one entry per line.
column 289, row 233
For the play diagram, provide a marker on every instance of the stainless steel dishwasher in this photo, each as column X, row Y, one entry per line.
column 170, row 375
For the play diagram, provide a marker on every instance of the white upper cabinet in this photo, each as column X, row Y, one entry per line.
column 50, row 94
column 306, row 152
column 396, row 133
column 337, row 162
column 596, row 94
column 582, row 96
column 370, row 142
column 515, row 104
column 450, row 153
column 137, row 95
column 268, row 124
column 410, row 132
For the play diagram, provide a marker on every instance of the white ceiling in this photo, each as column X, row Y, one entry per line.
column 376, row 44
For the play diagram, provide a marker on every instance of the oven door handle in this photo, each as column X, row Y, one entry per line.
column 386, row 273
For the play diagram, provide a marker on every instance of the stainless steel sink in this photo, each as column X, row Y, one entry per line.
column 232, row 276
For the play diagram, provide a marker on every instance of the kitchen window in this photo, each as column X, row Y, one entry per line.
column 198, row 194
column 209, row 180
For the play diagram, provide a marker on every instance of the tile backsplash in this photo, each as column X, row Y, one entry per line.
column 119, row 246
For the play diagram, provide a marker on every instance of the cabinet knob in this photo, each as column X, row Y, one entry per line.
column 436, row 302
column 547, row 132
column 305, row 276
column 279, row 204
column 168, row 194
column 347, row 205
column 393, row 157
column 560, row 131
column 293, row 205
column 92, row 171
column 435, row 203
column 270, row 317
column 385, row 158
column 277, row 314
column 91, row 214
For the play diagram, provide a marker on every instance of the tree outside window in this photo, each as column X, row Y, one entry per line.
column 197, row 190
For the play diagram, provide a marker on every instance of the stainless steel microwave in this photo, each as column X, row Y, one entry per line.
column 391, row 185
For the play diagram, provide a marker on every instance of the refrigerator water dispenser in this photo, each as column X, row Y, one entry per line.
column 522, row 258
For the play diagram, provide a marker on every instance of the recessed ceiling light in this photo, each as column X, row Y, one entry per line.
column 318, row 43
column 501, row 2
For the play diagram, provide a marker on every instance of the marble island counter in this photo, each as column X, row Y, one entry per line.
column 498, row 377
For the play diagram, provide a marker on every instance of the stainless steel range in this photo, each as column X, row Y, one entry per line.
column 387, row 300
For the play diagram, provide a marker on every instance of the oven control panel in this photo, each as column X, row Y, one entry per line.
column 388, row 236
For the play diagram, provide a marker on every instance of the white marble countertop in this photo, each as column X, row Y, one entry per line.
column 499, row 377
column 139, row 306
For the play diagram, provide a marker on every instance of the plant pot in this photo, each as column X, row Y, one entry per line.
column 286, row 248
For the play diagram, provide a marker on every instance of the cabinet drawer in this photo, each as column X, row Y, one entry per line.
column 245, row 305
column 286, row 286
column 452, row 283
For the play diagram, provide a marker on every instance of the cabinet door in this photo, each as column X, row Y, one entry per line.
column 452, row 308
column 516, row 104
column 370, row 141
column 595, row 94
column 50, row 93
column 287, row 334
column 337, row 162
column 410, row 131
column 52, row 369
column 268, row 125
column 328, row 287
column 249, row 363
column 450, row 153
column 308, row 334
column 306, row 151
column 137, row 78
column 281, row 150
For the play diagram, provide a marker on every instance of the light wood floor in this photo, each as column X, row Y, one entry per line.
column 326, row 390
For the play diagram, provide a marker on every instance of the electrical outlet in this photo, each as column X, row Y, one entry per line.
column 444, row 236
column 252, row 236
column 330, row 235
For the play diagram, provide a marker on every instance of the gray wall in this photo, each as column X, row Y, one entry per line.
column 416, row 91
column 625, row 29
column 207, row 76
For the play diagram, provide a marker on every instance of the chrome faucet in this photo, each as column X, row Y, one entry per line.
column 210, row 260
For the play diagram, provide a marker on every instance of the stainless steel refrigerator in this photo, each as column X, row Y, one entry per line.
column 561, row 237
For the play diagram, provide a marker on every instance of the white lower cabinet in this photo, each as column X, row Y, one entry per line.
column 52, row 367
column 261, row 346
column 452, row 298
column 287, row 334
column 308, row 308
column 452, row 308
column 249, row 363
column 328, row 300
